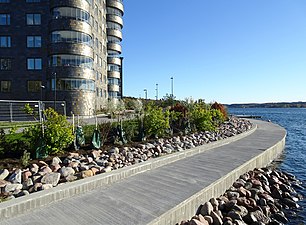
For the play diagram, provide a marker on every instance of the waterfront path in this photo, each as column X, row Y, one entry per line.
column 166, row 194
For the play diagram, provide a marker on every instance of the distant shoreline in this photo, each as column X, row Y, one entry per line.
column 269, row 105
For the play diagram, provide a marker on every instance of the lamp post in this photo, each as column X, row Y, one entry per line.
column 146, row 93
column 54, row 91
column 121, row 77
column 156, row 89
column 41, row 92
column 172, row 87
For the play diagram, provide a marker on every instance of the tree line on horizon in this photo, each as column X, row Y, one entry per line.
column 269, row 105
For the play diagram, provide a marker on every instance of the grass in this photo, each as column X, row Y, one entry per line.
column 7, row 125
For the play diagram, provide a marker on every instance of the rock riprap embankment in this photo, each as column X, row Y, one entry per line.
column 259, row 197
column 42, row 176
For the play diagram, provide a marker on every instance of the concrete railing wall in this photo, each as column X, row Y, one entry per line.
column 188, row 208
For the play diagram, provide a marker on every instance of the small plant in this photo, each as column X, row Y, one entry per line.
column 104, row 129
column 30, row 111
column 221, row 108
column 13, row 130
column 25, row 158
column 201, row 118
column 131, row 129
column 156, row 122
column 57, row 132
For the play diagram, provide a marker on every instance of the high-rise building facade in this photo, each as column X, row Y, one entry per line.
column 63, row 50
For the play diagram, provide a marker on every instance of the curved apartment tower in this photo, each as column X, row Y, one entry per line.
column 114, row 37
column 69, row 51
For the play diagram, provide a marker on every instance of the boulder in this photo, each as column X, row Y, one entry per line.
column 206, row 209
column 66, row 171
column 51, row 178
column 3, row 174
column 12, row 187
column 15, row 177
column 86, row 173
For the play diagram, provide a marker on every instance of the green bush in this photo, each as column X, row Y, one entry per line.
column 217, row 117
column 156, row 122
column 57, row 135
column 131, row 129
column 88, row 131
column 13, row 145
column 201, row 118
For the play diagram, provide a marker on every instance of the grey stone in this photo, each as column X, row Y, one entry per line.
column 27, row 184
column 71, row 178
column 114, row 150
column 3, row 183
column 260, row 217
column 56, row 160
column 206, row 209
column 3, row 174
column 12, row 187
column 34, row 168
column 290, row 203
column 66, row 171
column 234, row 215
column 217, row 219
column 46, row 186
column 15, row 177
column 51, row 178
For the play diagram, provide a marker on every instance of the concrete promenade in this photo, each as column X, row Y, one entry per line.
column 166, row 194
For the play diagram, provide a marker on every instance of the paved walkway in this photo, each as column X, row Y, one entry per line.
column 143, row 197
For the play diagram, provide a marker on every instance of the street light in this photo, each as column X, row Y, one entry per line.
column 54, row 91
column 146, row 93
column 172, row 87
column 41, row 92
column 156, row 89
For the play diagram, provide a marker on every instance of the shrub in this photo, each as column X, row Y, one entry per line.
column 156, row 122
column 217, row 117
column 131, row 129
column 12, row 145
column 201, row 118
column 178, row 117
column 25, row 158
column 88, row 131
column 221, row 108
column 104, row 129
column 57, row 132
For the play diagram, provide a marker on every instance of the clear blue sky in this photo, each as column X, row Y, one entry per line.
column 230, row 51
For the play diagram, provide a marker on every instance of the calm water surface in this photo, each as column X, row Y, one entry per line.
column 294, row 158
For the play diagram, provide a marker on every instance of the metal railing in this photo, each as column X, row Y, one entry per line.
column 11, row 110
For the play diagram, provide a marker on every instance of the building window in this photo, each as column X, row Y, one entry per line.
column 71, row 60
column 4, row 1
column 33, row 41
column 34, row 64
column 30, row 1
column 97, row 91
column 34, row 86
column 73, row 84
column 71, row 13
column 66, row 36
column 5, row 41
column 5, row 64
column 5, row 19
column 33, row 19
column 5, row 86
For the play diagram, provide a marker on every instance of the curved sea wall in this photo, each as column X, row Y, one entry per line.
column 188, row 208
